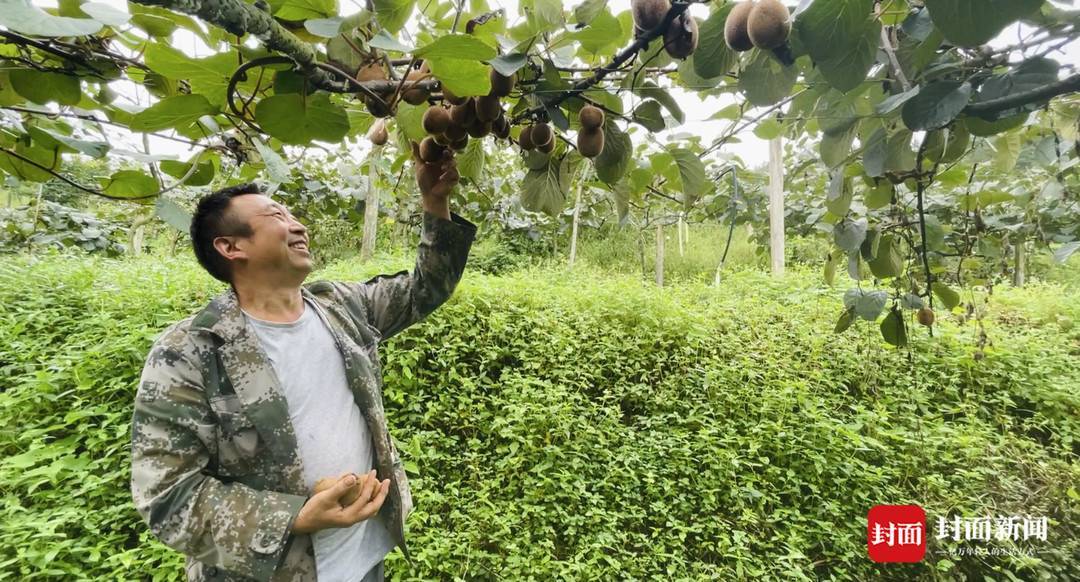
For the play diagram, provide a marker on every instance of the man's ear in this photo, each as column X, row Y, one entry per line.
column 230, row 248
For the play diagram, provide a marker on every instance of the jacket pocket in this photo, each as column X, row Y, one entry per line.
column 238, row 440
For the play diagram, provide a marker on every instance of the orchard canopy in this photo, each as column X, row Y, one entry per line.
column 922, row 143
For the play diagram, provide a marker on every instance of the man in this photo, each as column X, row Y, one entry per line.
column 275, row 385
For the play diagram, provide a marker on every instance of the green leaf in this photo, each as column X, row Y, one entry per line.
column 587, row 10
column 888, row 262
column 47, row 157
column 849, row 234
column 692, row 175
column 649, row 90
column 648, row 115
column 899, row 157
column 21, row 16
column 203, row 174
column 393, row 14
column 600, row 36
column 173, row 214
column 509, row 64
column 208, row 76
column 879, row 196
column 982, row 128
column 304, row 9
column 893, row 328
column 105, row 14
column 764, row 80
column 470, row 162
column 464, row 78
column 129, row 184
column 936, row 105
column 295, row 119
column 324, row 27
column 180, row 111
column 1029, row 75
column 875, row 152
column 614, row 161
column 769, row 129
column 1062, row 253
column 971, row 23
column 867, row 304
column 410, row 118
column 713, row 57
column 275, row 164
column 52, row 140
column 457, row 46
column 845, row 321
column 893, row 102
column 544, row 189
column 1007, row 151
column 948, row 297
column 156, row 26
column 384, row 41
column 842, row 38
column 44, row 86
column 838, row 199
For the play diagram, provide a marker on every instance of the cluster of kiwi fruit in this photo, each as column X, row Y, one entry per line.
column 764, row 24
column 680, row 37
column 412, row 94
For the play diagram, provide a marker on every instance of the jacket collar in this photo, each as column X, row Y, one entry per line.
column 223, row 317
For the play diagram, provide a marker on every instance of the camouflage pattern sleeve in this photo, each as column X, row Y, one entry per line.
column 394, row 302
column 173, row 440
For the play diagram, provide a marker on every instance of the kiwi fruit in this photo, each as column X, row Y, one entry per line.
column 501, row 85
column 430, row 150
column 460, row 144
column 926, row 316
column 769, row 24
column 488, row 108
column 591, row 117
column 436, row 119
column 371, row 72
column 541, row 134
column 378, row 107
column 454, row 132
column 442, row 140
column 735, row 29
column 478, row 128
column 548, row 147
column 501, row 127
column 681, row 38
column 590, row 141
column 416, row 95
column 463, row 114
column 378, row 134
column 525, row 139
column 451, row 98
column 648, row 14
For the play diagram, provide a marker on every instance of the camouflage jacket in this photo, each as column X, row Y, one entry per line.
column 215, row 468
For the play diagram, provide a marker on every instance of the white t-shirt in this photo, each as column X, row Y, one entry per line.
column 331, row 434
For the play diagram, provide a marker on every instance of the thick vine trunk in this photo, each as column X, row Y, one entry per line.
column 1018, row 264
column 574, row 227
column 659, row 254
column 776, row 205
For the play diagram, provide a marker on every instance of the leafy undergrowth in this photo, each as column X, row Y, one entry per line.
column 585, row 425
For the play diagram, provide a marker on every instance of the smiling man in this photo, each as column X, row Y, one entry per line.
column 275, row 385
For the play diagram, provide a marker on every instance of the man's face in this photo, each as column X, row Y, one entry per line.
column 278, row 247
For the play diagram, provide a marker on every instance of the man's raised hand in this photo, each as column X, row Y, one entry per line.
column 327, row 508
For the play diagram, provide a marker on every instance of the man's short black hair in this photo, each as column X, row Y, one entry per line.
column 213, row 219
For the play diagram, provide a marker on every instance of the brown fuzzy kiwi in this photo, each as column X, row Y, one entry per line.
column 463, row 114
column 478, row 128
column 681, row 38
column 460, row 144
column 454, row 132
column 769, row 24
column 442, row 140
column 525, row 138
column 372, row 72
column 436, row 119
column 735, row 31
column 648, row 14
column 378, row 108
column 501, row 86
column 541, row 134
column 501, row 127
column 926, row 316
column 451, row 98
column 590, row 142
column 488, row 108
column 591, row 117
column 430, row 150
column 378, row 134
column 416, row 95
column 548, row 147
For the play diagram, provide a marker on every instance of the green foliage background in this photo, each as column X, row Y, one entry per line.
column 585, row 425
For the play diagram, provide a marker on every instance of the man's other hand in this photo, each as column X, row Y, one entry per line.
column 435, row 180
column 324, row 509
